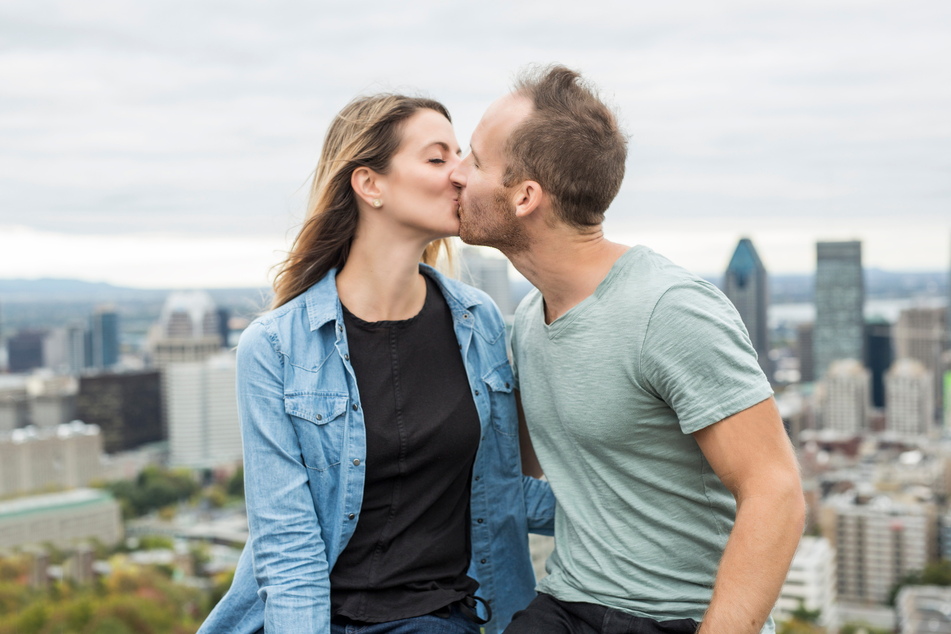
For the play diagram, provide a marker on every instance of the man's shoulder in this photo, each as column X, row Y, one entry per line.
column 644, row 276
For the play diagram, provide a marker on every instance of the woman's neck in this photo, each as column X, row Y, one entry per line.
column 381, row 281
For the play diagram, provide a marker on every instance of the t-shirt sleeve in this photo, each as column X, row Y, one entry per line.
column 698, row 358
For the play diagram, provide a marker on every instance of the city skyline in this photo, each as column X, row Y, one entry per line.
column 158, row 145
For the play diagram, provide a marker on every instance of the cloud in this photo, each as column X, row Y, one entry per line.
column 205, row 118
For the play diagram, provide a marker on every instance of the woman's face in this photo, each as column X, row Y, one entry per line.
column 416, row 192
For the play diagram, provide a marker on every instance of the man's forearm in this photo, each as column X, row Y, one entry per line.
column 756, row 560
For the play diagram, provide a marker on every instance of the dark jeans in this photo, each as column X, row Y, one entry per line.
column 547, row 615
column 455, row 622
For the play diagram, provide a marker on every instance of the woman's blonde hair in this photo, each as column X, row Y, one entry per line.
column 366, row 133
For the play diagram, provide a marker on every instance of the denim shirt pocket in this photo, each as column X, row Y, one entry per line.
column 320, row 421
column 500, row 382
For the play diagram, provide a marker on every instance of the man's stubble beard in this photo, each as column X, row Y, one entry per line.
column 494, row 226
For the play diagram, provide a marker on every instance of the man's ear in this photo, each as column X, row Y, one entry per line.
column 364, row 182
column 526, row 198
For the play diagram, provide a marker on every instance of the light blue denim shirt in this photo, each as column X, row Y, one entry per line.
column 304, row 450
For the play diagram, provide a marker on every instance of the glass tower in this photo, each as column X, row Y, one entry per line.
column 745, row 284
column 840, row 296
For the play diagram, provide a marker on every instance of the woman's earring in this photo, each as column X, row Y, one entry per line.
column 377, row 203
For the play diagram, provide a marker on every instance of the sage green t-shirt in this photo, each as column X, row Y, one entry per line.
column 612, row 390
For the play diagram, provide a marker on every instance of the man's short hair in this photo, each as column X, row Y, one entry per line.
column 570, row 144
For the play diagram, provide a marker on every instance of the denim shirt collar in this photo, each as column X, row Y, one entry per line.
column 323, row 304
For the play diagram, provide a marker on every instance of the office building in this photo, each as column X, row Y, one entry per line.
column 25, row 350
column 840, row 296
column 810, row 582
column 187, row 331
column 490, row 274
column 878, row 357
column 910, row 399
column 126, row 406
column 51, row 399
column 202, row 412
column 745, row 284
column 103, row 338
column 14, row 402
column 33, row 459
column 64, row 350
column 878, row 540
column 844, row 398
column 807, row 364
column 63, row 519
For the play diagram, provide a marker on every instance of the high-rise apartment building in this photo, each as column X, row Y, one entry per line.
column 920, row 333
column 810, row 582
column 878, row 540
column 910, row 399
column 745, row 284
column 490, row 274
column 202, row 412
column 840, row 297
column 126, row 406
column 844, row 397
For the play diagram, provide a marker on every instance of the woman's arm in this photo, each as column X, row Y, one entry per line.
column 290, row 559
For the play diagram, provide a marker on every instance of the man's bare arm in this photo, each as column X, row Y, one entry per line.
column 752, row 455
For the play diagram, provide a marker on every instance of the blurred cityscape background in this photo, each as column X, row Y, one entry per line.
column 120, row 452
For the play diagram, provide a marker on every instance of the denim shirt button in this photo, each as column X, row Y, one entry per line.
column 356, row 462
column 346, row 357
column 477, row 392
column 351, row 516
column 355, row 407
column 477, row 478
column 482, row 561
column 480, row 520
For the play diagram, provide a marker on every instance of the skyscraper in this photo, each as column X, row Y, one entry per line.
column 104, row 338
column 920, row 334
column 188, row 329
column 878, row 356
column 745, row 283
column 840, row 297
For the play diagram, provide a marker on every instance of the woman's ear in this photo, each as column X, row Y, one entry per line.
column 363, row 180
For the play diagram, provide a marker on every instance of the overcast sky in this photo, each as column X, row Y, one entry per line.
column 168, row 144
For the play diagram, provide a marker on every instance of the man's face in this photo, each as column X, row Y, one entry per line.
column 486, row 209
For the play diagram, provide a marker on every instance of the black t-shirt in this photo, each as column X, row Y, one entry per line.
column 411, row 548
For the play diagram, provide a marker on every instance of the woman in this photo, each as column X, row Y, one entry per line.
column 380, row 437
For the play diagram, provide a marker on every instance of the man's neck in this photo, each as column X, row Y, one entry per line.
column 567, row 266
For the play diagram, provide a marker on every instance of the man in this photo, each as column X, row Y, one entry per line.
column 678, row 492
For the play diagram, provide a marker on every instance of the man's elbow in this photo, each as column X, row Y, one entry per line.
column 793, row 501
